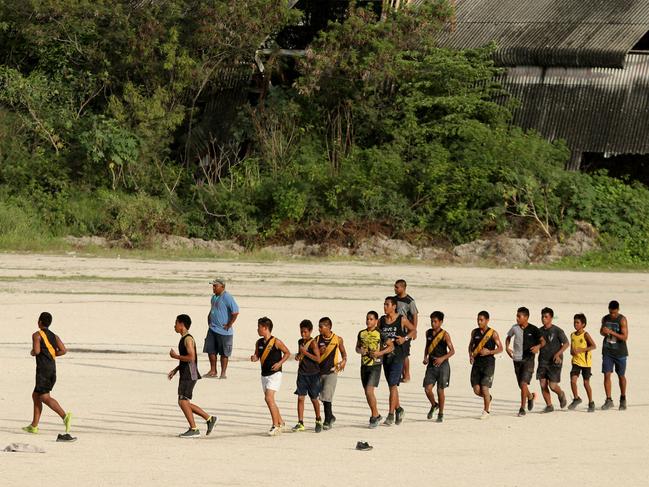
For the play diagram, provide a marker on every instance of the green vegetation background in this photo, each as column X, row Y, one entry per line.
column 128, row 118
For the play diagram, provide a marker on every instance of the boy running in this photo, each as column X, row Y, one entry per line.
column 368, row 345
column 439, row 348
column 548, row 372
column 407, row 307
column 483, row 345
column 615, row 330
column 399, row 330
column 188, row 368
column 581, row 344
column 308, row 376
column 271, row 354
column 527, row 343
column 330, row 345
column 46, row 346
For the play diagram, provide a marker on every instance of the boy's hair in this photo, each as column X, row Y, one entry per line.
column 524, row 311
column 613, row 305
column 437, row 314
column 326, row 321
column 185, row 320
column 306, row 324
column 400, row 282
column 547, row 311
column 265, row 322
column 393, row 300
column 580, row 317
column 45, row 319
column 374, row 314
column 483, row 313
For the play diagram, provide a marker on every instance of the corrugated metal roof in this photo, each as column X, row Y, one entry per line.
column 593, row 109
column 570, row 33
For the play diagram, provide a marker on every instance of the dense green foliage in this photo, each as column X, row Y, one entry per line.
column 128, row 118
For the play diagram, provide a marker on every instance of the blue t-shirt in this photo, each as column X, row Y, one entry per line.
column 222, row 307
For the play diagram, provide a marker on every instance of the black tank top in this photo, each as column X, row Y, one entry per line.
column 390, row 331
column 274, row 356
column 440, row 349
column 44, row 360
column 327, row 365
column 187, row 370
column 307, row 366
column 612, row 346
column 476, row 338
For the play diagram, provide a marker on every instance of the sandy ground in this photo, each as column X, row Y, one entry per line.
column 116, row 316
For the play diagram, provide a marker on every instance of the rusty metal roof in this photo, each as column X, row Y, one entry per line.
column 569, row 33
column 592, row 109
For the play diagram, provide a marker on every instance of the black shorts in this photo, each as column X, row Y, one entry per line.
column 584, row 371
column 186, row 389
column 551, row 372
column 370, row 375
column 483, row 375
column 308, row 385
column 45, row 380
column 438, row 375
column 524, row 370
column 406, row 348
column 217, row 344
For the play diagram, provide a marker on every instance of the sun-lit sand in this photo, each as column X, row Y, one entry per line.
column 116, row 317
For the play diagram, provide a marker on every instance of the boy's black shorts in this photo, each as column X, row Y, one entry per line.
column 308, row 385
column 186, row 389
column 524, row 370
column 551, row 372
column 45, row 380
column 584, row 371
column 370, row 375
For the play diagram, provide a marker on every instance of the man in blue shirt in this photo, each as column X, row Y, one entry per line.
column 223, row 313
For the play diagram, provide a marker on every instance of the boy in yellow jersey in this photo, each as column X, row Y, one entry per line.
column 368, row 345
column 581, row 346
column 46, row 346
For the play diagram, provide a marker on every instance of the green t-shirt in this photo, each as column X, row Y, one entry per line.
column 370, row 340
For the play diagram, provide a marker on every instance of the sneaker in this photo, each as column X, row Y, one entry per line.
column 374, row 421
column 521, row 412
column 327, row 425
column 548, row 409
column 389, row 421
column 563, row 402
column 622, row 404
column 608, row 404
column 31, row 429
column 210, row 424
column 399, row 415
column 431, row 412
column 363, row 446
column 67, row 420
column 530, row 402
column 274, row 430
column 440, row 418
column 298, row 427
column 332, row 421
column 485, row 415
column 575, row 402
column 66, row 437
column 190, row 433
column 318, row 426
column 591, row 407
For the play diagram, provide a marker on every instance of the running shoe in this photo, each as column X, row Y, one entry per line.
column 67, row 420
column 548, row 409
column 530, row 402
column 440, row 418
column 210, row 424
column 298, row 427
column 521, row 412
column 67, row 437
column 399, row 415
column 431, row 412
column 622, row 404
column 389, row 421
column 562, row 400
column 318, row 426
column 190, row 433
column 274, row 430
column 591, row 407
column 363, row 446
column 31, row 429
column 375, row 421
column 575, row 402
column 485, row 415
column 608, row 404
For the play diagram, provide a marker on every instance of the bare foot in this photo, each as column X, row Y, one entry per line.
column 223, row 376
column 212, row 373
